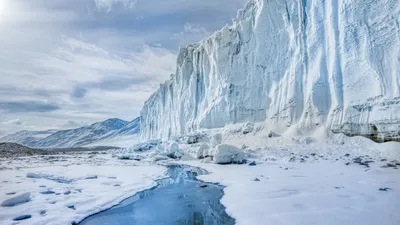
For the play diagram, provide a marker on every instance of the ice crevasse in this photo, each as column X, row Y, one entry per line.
column 295, row 64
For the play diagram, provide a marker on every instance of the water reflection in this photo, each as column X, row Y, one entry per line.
column 180, row 200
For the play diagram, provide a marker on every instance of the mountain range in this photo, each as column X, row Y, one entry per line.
column 82, row 136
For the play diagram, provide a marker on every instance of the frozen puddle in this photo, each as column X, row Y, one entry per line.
column 180, row 199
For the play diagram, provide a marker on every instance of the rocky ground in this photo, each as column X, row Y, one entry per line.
column 13, row 150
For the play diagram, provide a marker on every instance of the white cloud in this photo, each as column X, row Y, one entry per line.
column 13, row 125
column 194, row 29
column 70, row 60
column 114, row 84
column 191, row 33
column 18, row 12
column 223, row 7
column 83, row 62
column 108, row 4
column 13, row 122
column 73, row 124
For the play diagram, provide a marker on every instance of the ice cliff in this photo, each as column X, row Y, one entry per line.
column 295, row 64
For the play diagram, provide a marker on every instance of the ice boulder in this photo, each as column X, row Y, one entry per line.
column 173, row 151
column 227, row 154
column 192, row 138
column 203, row 151
column 248, row 128
column 206, row 160
column 22, row 198
column 196, row 138
column 272, row 134
column 173, row 146
column 216, row 139
column 160, row 158
column 160, row 148
column 199, row 151
column 146, row 146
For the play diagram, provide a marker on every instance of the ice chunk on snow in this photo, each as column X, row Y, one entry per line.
column 206, row 160
column 173, row 146
column 33, row 175
column 91, row 177
column 272, row 134
column 199, row 151
column 225, row 154
column 22, row 198
column 146, row 146
column 216, row 139
column 203, row 151
column 173, row 150
column 193, row 138
column 23, row 217
column 160, row 158
column 248, row 128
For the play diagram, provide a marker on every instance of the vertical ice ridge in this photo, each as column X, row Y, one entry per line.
column 296, row 64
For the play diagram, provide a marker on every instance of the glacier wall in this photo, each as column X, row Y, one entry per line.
column 295, row 64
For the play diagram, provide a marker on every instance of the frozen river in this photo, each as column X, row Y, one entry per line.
column 180, row 199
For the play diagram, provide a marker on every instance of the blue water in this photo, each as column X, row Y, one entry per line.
column 180, row 200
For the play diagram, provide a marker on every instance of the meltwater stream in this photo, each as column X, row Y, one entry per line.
column 180, row 199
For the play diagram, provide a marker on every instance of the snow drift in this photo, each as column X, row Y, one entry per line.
column 296, row 64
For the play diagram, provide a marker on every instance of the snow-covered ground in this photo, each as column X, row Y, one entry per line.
column 301, row 180
column 298, row 180
column 291, row 179
column 118, row 141
column 67, row 188
column 321, row 192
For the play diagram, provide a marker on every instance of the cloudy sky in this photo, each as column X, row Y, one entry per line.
column 67, row 63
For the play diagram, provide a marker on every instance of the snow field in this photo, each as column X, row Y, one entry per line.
column 63, row 194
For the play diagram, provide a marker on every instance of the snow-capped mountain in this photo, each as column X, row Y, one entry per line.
column 27, row 138
column 76, row 137
column 130, row 128
column 83, row 135
column 298, row 65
